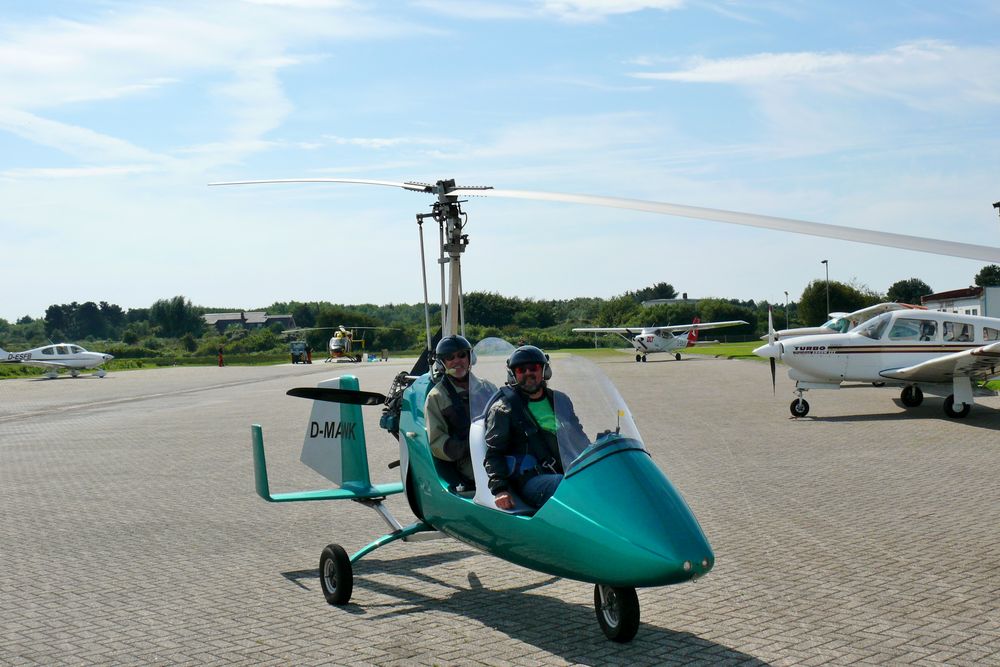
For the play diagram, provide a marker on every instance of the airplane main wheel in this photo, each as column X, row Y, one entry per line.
column 644, row 358
column 799, row 407
column 949, row 408
column 912, row 396
column 638, row 358
column 335, row 575
column 677, row 356
column 617, row 612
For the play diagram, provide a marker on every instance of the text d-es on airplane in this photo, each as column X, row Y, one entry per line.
column 922, row 351
column 650, row 340
column 54, row 358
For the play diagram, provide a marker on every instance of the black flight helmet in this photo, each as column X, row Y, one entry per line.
column 450, row 345
column 527, row 354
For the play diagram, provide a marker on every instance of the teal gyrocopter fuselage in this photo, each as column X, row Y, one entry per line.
column 615, row 520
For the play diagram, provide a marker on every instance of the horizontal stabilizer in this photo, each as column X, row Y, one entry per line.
column 334, row 395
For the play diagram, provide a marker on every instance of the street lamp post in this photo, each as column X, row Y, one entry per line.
column 786, row 309
column 826, row 263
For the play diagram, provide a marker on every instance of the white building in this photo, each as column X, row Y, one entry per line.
column 984, row 301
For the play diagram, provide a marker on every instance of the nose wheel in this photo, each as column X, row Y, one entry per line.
column 617, row 612
column 800, row 406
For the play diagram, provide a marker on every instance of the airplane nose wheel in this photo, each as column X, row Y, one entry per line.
column 335, row 575
column 617, row 612
column 799, row 407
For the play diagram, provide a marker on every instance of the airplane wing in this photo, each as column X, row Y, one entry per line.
column 979, row 363
column 699, row 326
column 617, row 330
column 37, row 363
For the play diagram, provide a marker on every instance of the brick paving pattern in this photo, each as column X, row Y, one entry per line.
column 131, row 535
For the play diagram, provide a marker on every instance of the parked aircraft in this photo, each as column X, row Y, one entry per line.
column 57, row 357
column 843, row 322
column 651, row 340
column 922, row 351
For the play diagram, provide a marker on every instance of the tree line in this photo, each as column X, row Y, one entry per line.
column 175, row 326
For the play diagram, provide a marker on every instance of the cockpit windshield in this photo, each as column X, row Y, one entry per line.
column 588, row 408
column 875, row 327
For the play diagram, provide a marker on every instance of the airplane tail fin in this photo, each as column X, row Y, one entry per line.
column 693, row 334
column 334, row 444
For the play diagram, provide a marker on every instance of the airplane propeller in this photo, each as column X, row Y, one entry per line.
column 770, row 341
column 338, row 395
column 903, row 241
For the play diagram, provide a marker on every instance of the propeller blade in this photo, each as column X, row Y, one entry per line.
column 770, row 341
column 904, row 241
column 338, row 395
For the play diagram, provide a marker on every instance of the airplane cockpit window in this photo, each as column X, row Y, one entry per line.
column 905, row 328
column 62, row 349
column 875, row 327
column 49, row 350
column 928, row 330
column 959, row 332
column 989, row 333
column 75, row 349
column 838, row 324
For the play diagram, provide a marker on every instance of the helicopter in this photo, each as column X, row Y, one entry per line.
column 344, row 345
column 614, row 521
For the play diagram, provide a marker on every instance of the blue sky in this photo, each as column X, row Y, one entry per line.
column 115, row 115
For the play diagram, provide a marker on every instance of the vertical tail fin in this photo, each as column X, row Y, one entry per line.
column 693, row 334
column 334, row 444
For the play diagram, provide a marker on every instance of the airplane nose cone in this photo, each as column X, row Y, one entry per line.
column 108, row 357
column 769, row 351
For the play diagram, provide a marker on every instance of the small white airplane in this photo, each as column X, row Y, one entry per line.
column 61, row 356
column 940, row 353
column 649, row 340
column 843, row 322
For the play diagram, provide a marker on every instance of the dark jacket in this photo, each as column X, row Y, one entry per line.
column 511, row 431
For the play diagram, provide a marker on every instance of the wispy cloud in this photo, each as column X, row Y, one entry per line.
column 563, row 10
column 923, row 74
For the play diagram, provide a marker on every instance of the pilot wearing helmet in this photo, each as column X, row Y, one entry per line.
column 448, row 404
column 522, row 448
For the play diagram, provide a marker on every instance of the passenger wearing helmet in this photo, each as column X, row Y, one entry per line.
column 447, row 409
column 522, row 449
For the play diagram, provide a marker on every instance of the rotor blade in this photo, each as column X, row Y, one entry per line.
column 770, row 326
column 904, row 241
column 774, row 389
column 338, row 395
column 416, row 187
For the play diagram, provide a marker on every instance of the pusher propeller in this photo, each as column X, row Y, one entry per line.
column 338, row 395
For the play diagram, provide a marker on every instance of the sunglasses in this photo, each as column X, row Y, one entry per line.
column 527, row 368
column 464, row 354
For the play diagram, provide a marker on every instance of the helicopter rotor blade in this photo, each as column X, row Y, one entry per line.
column 415, row 187
column 338, row 395
column 892, row 240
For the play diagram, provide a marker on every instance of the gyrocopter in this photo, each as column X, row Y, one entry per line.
column 614, row 521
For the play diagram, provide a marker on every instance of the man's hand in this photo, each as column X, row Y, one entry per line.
column 504, row 501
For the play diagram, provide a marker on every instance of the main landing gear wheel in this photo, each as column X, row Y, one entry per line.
column 912, row 396
column 799, row 407
column 638, row 358
column 617, row 612
column 677, row 356
column 644, row 358
column 335, row 575
column 949, row 408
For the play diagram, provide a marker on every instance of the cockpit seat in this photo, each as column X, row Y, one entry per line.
column 477, row 448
